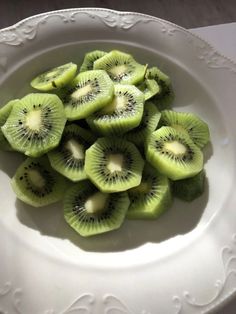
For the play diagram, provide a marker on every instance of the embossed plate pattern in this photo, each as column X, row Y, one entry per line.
column 184, row 263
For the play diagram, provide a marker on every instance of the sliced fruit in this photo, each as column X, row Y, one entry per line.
column 37, row 184
column 174, row 154
column 190, row 188
column 165, row 97
column 113, row 165
column 35, row 124
column 68, row 157
column 190, row 123
column 90, row 58
column 89, row 211
column 4, row 114
column 121, row 67
column 55, row 78
column 152, row 197
column 149, row 88
column 148, row 124
column 122, row 114
column 88, row 92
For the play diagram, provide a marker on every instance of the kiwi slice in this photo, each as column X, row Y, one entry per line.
column 35, row 124
column 190, row 123
column 190, row 188
column 174, row 154
column 68, row 157
column 148, row 124
column 121, row 67
column 113, row 164
column 4, row 114
column 165, row 97
column 88, row 92
column 89, row 211
column 90, row 58
column 122, row 114
column 55, row 78
column 37, row 184
column 150, row 88
column 152, row 197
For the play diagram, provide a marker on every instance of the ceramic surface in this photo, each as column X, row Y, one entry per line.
column 183, row 263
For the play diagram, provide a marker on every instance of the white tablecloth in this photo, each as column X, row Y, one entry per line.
column 223, row 38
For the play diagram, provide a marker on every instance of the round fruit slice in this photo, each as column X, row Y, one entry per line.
column 165, row 97
column 90, row 58
column 113, row 165
column 35, row 124
column 68, row 157
column 122, row 114
column 190, row 123
column 89, row 211
column 152, row 197
column 149, row 88
column 174, row 154
column 87, row 93
column 4, row 114
column 121, row 67
column 148, row 124
column 55, row 78
column 190, row 188
column 37, row 184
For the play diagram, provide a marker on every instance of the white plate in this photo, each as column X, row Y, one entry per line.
column 182, row 263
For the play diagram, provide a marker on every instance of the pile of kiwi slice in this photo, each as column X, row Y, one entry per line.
column 104, row 140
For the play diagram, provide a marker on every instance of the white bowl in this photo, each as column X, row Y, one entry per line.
column 181, row 263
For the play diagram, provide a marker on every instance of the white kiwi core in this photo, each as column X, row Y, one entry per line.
column 36, row 178
column 118, row 70
column 118, row 103
column 34, row 120
column 96, row 202
column 176, row 148
column 115, row 162
column 80, row 92
column 75, row 148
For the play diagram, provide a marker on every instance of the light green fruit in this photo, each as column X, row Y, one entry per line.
column 89, row 211
column 121, row 67
column 35, row 124
column 55, row 78
column 152, row 197
column 174, row 154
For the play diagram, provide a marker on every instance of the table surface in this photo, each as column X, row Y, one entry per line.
column 181, row 12
column 223, row 38
column 187, row 13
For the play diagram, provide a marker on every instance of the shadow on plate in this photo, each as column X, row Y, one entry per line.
column 9, row 162
column 181, row 218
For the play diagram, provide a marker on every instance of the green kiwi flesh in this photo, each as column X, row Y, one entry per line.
column 174, row 154
column 87, row 93
column 152, row 197
column 113, row 165
column 55, row 78
column 190, row 123
column 121, row 67
column 148, row 124
column 190, row 188
column 90, row 58
column 89, row 211
column 4, row 114
column 37, row 184
column 68, row 158
column 164, row 99
column 150, row 88
column 122, row 114
column 35, row 124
